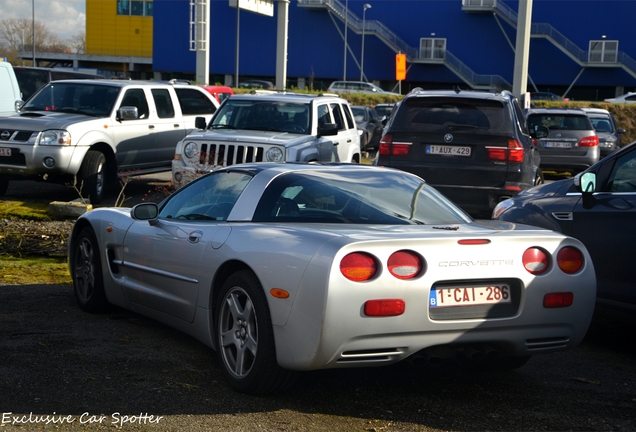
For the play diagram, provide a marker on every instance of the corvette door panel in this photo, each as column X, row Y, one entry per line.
column 161, row 266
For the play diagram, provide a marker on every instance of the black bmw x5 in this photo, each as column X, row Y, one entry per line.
column 473, row 146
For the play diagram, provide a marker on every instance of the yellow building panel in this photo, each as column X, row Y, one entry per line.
column 110, row 34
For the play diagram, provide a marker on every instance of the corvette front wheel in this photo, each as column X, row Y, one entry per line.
column 245, row 339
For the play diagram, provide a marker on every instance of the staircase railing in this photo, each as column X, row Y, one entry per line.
column 381, row 31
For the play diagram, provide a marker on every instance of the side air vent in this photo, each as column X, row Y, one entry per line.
column 563, row 216
column 547, row 343
column 374, row 356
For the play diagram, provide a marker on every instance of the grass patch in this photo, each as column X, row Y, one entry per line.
column 25, row 210
column 33, row 270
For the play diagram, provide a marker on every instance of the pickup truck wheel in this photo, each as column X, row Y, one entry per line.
column 4, row 185
column 92, row 176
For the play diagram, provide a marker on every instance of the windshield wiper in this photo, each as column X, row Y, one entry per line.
column 263, row 128
column 461, row 126
column 223, row 126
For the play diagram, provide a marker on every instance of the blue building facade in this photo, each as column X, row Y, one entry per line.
column 582, row 49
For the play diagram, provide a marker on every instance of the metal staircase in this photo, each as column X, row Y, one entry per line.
column 414, row 55
column 547, row 31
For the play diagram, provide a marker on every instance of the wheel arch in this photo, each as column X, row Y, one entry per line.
column 223, row 273
column 109, row 154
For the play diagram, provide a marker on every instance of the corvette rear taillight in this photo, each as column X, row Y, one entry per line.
column 388, row 147
column 535, row 260
column 384, row 307
column 570, row 260
column 405, row 264
column 358, row 266
column 590, row 141
column 513, row 153
column 558, row 300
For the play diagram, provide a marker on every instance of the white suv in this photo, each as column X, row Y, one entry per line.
column 269, row 127
column 94, row 131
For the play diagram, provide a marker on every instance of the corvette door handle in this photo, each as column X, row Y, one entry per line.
column 195, row 236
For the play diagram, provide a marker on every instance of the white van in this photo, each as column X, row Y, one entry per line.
column 10, row 96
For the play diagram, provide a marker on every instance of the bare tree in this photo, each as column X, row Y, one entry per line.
column 17, row 35
column 78, row 43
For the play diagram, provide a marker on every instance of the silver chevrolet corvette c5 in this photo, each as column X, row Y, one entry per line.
column 293, row 267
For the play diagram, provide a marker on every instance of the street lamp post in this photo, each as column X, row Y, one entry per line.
column 364, row 12
column 33, row 29
column 344, row 70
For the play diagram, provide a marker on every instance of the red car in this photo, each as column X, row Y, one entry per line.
column 219, row 92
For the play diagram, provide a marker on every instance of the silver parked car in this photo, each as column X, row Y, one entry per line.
column 565, row 138
column 609, row 134
column 296, row 267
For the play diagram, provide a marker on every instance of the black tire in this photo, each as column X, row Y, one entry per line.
column 4, row 185
column 539, row 179
column 88, row 281
column 92, row 176
column 245, row 338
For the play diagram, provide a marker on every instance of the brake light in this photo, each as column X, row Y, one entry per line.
column 557, row 300
column 388, row 147
column 535, row 260
column 405, row 264
column 473, row 242
column 384, row 307
column 513, row 153
column 496, row 153
column 570, row 260
column 591, row 141
column 358, row 266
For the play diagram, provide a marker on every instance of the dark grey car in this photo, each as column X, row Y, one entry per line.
column 571, row 142
column 472, row 146
column 370, row 126
column 597, row 207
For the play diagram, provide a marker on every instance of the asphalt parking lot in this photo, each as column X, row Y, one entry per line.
column 136, row 374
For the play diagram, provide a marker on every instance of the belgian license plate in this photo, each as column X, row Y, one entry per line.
column 470, row 295
column 5, row 151
column 557, row 144
column 445, row 150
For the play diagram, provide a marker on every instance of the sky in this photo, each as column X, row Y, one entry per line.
column 64, row 18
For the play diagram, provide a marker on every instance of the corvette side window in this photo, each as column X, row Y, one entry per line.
column 211, row 197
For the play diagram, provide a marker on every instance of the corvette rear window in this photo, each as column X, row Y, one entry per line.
column 351, row 197
column 447, row 114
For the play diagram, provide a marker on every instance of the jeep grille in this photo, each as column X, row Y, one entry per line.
column 213, row 155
